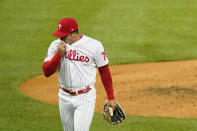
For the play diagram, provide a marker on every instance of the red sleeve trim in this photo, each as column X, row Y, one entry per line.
column 50, row 67
column 107, row 81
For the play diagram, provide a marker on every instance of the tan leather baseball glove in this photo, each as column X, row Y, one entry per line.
column 113, row 116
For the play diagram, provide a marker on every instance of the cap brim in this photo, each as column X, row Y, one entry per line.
column 60, row 34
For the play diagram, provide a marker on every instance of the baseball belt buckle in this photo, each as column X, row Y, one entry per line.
column 77, row 92
column 86, row 89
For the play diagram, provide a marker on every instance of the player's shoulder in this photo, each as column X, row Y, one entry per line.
column 92, row 40
column 54, row 43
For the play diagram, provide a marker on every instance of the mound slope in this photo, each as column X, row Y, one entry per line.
column 151, row 89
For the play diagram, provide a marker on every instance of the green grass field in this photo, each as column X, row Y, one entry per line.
column 132, row 31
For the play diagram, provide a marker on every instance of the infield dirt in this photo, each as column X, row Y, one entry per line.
column 151, row 89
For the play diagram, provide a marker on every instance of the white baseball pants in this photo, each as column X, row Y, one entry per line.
column 76, row 112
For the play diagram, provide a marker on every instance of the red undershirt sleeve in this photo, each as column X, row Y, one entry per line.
column 50, row 67
column 107, row 81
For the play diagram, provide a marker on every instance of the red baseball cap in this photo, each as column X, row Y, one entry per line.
column 65, row 27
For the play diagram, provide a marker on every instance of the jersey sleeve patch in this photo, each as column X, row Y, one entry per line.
column 100, row 56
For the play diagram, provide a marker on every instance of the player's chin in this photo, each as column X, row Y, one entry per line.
column 61, row 38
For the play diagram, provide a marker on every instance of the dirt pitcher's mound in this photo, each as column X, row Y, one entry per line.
column 153, row 89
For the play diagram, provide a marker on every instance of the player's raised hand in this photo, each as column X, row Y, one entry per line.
column 61, row 48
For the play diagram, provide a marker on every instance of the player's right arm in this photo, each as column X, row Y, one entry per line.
column 53, row 58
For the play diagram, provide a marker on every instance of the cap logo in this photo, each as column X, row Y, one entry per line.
column 72, row 29
column 59, row 26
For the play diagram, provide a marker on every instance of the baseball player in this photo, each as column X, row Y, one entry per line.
column 76, row 57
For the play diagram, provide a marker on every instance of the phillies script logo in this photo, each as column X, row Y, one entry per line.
column 74, row 56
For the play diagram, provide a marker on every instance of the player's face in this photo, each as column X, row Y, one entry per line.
column 72, row 37
column 68, row 39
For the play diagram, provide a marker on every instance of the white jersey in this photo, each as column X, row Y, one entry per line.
column 78, row 65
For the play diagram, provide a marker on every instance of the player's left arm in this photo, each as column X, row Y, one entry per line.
column 108, row 84
column 102, row 64
column 116, row 114
column 107, row 81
